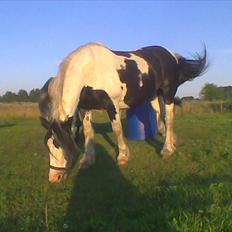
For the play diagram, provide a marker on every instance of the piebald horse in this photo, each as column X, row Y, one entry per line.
column 96, row 77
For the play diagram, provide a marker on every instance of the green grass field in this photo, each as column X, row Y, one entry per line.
column 191, row 191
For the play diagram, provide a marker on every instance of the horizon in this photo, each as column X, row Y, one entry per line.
column 37, row 36
column 28, row 92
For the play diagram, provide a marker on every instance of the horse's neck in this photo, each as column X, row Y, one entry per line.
column 54, row 90
column 66, row 98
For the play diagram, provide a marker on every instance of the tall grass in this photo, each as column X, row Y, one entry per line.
column 197, row 107
column 30, row 110
column 18, row 110
column 193, row 107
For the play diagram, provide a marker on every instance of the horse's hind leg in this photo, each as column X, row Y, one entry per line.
column 124, row 153
column 158, row 106
column 89, row 156
column 169, row 146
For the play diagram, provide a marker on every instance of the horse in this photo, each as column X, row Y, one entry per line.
column 94, row 77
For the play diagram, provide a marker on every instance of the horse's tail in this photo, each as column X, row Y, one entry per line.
column 191, row 68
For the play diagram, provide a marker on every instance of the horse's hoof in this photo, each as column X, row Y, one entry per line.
column 123, row 160
column 166, row 153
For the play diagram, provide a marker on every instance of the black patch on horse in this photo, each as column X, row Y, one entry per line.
column 62, row 136
column 170, row 74
column 166, row 68
column 122, row 53
column 98, row 100
column 140, row 87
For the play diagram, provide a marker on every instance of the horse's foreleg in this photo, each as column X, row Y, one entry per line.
column 89, row 155
column 124, row 153
column 169, row 146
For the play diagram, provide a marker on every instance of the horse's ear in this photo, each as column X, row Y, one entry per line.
column 45, row 123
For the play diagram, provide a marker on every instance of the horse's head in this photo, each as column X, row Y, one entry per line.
column 60, row 142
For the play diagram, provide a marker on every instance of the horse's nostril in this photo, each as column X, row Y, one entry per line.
column 59, row 177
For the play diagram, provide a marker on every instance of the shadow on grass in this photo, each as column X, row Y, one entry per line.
column 3, row 125
column 157, row 145
column 103, row 200
column 105, row 128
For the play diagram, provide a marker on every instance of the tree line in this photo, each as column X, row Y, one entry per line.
column 21, row 96
column 212, row 92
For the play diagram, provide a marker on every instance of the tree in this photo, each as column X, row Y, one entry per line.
column 228, row 92
column 212, row 92
column 34, row 95
column 187, row 98
column 9, row 97
column 23, row 96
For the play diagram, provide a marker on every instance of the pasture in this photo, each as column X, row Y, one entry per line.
column 191, row 191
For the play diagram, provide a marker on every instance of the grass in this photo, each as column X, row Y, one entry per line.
column 191, row 191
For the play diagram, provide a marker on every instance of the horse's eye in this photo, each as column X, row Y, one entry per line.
column 56, row 143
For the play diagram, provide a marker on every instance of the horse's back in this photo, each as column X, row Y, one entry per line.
column 92, row 59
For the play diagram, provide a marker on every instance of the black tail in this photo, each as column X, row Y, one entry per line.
column 191, row 68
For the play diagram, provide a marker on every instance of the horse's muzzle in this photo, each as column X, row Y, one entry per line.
column 56, row 176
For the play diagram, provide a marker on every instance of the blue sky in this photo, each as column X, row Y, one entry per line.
column 36, row 35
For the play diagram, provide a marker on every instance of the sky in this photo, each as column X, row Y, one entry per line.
column 35, row 36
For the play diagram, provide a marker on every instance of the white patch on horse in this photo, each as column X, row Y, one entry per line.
column 89, row 156
column 141, row 65
column 169, row 146
column 158, row 106
column 56, row 157
column 140, row 80
column 122, row 104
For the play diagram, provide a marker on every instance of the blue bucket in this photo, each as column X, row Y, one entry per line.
column 141, row 122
